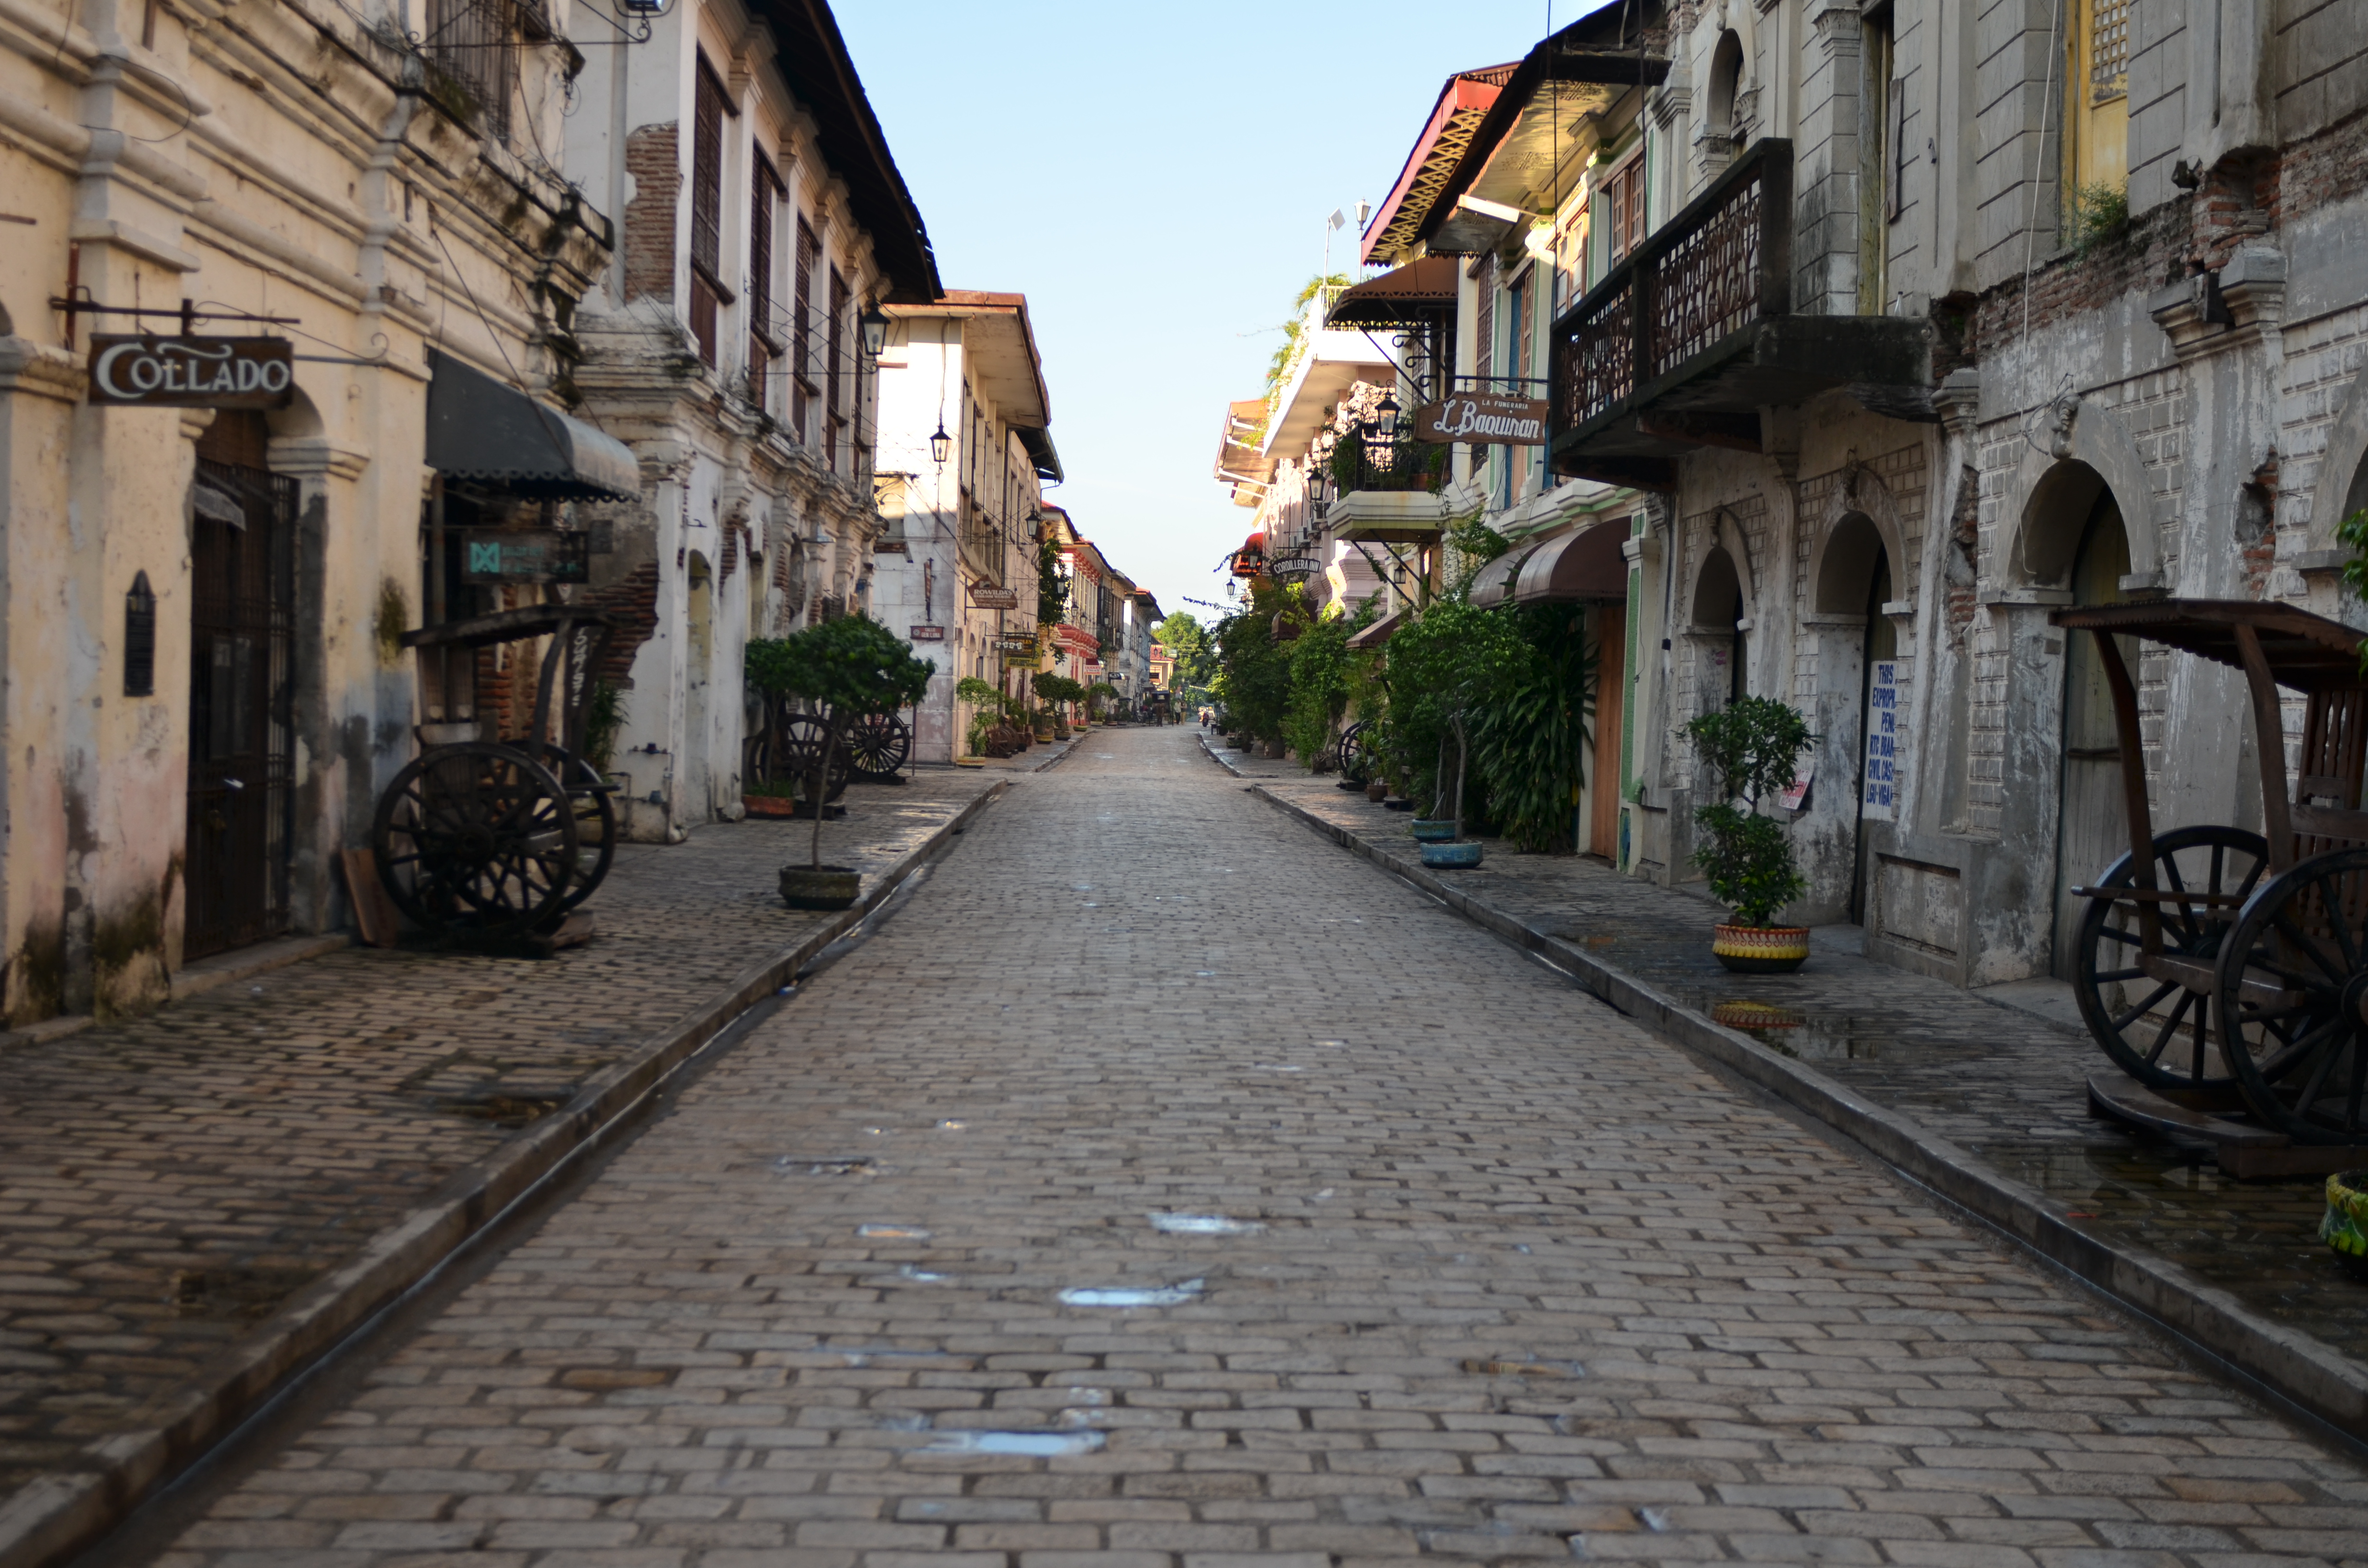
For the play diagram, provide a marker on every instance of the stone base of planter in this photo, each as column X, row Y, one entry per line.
column 833, row 887
column 1452, row 857
column 1760, row 950
column 770, row 806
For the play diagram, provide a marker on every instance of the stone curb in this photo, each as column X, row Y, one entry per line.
column 2287, row 1365
column 58, row 1515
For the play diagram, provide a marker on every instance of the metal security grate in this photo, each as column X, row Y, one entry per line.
column 472, row 52
column 2108, row 48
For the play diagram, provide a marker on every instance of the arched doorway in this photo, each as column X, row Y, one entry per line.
column 1718, row 624
column 1855, row 581
column 2092, row 824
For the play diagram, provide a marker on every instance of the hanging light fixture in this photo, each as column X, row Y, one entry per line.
column 874, row 322
column 1385, row 417
column 941, row 446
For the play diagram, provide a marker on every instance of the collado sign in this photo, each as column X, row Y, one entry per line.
column 192, row 372
column 1482, row 419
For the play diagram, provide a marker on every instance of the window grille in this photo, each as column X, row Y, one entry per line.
column 470, row 50
column 764, row 330
column 835, row 383
column 2109, row 49
column 802, row 351
column 706, row 207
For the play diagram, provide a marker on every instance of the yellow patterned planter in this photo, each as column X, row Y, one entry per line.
column 1760, row 950
column 2345, row 1228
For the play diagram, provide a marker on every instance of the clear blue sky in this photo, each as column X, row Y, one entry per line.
column 1155, row 180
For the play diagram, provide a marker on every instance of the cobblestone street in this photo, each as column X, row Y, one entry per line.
column 1164, row 1188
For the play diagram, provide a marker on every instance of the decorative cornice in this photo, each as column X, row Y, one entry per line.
column 38, row 371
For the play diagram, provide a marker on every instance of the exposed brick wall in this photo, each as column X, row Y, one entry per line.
column 632, row 602
column 654, row 161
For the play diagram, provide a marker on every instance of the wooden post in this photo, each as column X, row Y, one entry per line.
column 2269, row 739
column 2134, row 791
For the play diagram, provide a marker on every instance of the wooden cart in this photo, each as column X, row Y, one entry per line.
column 491, row 837
column 2223, row 970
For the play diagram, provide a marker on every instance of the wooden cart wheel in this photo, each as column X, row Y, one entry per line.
column 1356, row 756
column 878, row 746
column 596, row 820
column 2294, row 978
column 793, row 760
column 2156, row 1031
column 477, row 837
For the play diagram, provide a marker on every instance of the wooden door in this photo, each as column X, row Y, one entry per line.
column 242, row 637
column 2093, row 828
column 1610, row 691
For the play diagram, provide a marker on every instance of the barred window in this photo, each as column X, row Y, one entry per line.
column 472, row 55
column 835, row 383
column 764, row 192
column 801, row 348
column 2109, row 49
column 707, row 290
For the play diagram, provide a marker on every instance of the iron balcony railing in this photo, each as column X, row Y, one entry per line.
column 1359, row 462
column 1721, row 263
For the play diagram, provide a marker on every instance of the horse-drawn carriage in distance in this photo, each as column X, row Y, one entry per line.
column 2225, row 971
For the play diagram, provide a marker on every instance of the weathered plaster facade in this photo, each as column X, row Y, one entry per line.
column 284, row 159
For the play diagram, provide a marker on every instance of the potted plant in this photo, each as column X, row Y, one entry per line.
column 853, row 664
column 1056, row 691
column 1453, row 852
column 1753, row 746
column 987, row 717
column 1100, row 692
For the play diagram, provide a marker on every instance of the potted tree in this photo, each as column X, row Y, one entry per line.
column 853, row 664
column 1058, row 690
column 986, row 717
column 1754, row 746
column 1044, row 683
column 1097, row 694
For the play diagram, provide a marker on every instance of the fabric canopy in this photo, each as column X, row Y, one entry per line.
column 1373, row 636
column 1585, row 565
column 479, row 429
column 1493, row 583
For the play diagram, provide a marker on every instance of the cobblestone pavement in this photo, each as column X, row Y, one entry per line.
column 167, row 1182
column 1996, row 1080
column 1163, row 1188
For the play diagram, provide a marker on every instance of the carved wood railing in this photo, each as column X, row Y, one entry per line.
column 1721, row 264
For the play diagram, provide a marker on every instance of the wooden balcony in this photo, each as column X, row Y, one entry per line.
column 1693, row 334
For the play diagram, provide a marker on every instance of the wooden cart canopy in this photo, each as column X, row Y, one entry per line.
column 503, row 626
column 2304, row 652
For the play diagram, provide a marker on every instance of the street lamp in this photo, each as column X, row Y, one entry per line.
column 941, row 446
column 874, row 322
column 1386, row 416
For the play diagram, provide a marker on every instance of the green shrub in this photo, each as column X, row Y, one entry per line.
column 1754, row 745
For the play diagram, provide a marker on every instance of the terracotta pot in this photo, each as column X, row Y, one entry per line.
column 1377, row 791
column 833, row 887
column 1760, row 950
column 770, row 806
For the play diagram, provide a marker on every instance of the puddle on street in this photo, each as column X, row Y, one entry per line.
column 1153, row 1296
column 1027, row 1445
column 1203, row 1224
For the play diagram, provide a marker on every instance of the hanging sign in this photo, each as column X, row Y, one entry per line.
column 525, row 555
column 1884, row 729
column 1479, row 419
column 192, row 372
column 926, row 633
column 994, row 598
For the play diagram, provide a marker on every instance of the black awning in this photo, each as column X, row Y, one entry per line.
column 480, row 430
column 1404, row 296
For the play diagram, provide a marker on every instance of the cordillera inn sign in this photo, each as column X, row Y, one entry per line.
column 191, row 373
column 1483, row 419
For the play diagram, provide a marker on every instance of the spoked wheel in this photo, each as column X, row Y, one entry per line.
column 477, row 837
column 878, row 746
column 2293, row 979
column 1356, row 761
column 596, row 820
column 2157, row 1030
column 802, row 737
